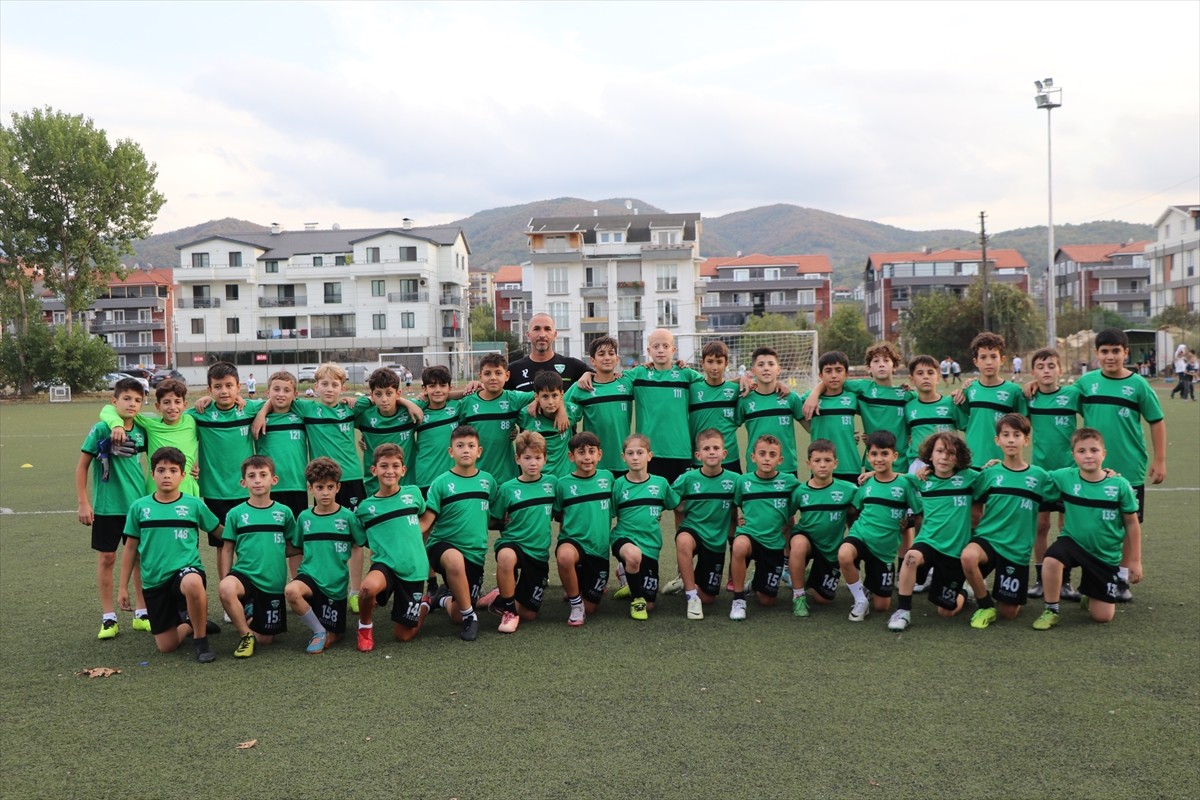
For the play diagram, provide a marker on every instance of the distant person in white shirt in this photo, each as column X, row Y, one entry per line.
column 1017, row 364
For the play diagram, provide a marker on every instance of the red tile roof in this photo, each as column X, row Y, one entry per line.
column 162, row 276
column 1133, row 247
column 803, row 264
column 509, row 274
column 708, row 268
column 1089, row 253
column 1000, row 259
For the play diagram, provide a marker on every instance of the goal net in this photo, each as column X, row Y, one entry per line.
column 797, row 352
column 463, row 364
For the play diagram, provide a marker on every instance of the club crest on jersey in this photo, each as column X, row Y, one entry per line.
column 277, row 516
column 941, row 411
column 1003, row 395
column 407, row 498
column 504, row 405
column 846, row 401
column 559, row 368
column 727, row 485
column 1110, row 492
column 1062, row 401
column 837, row 496
column 486, row 485
column 602, row 483
column 547, row 487
column 180, row 511
column 1010, row 570
column 621, row 389
column 777, row 485
column 1127, row 391
column 339, row 525
column 653, row 491
column 275, row 603
column 728, row 394
column 897, row 493
column 956, row 481
column 1030, row 483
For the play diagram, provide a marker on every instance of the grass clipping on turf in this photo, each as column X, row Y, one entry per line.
column 98, row 672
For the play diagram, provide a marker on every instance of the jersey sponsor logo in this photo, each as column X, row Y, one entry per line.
column 1094, row 388
column 695, row 486
column 516, row 494
column 475, row 408
column 804, row 499
column 308, row 526
column 450, row 486
column 874, row 391
column 574, row 491
column 245, row 519
column 625, row 495
column 145, row 513
column 374, row 422
column 524, row 373
column 1000, row 480
column 751, row 405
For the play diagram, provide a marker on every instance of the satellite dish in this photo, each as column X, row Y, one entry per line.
column 628, row 204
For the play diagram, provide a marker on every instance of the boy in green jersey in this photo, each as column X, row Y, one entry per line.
column 383, row 415
column 930, row 411
column 943, row 528
column 433, row 431
column 166, row 527
column 766, row 411
column 172, row 428
column 764, row 502
column 988, row 399
column 522, row 513
column 706, row 495
column 833, row 417
column 225, row 442
column 1102, row 532
column 392, row 520
column 826, row 506
column 638, row 501
column 583, row 504
column 327, row 533
column 883, row 501
column 117, row 481
column 494, row 413
column 713, row 403
column 286, row 443
column 260, row 534
column 456, row 521
column 1007, row 497
column 607, row 407
column 548, row 393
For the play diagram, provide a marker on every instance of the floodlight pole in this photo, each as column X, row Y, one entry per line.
column 1049, row 98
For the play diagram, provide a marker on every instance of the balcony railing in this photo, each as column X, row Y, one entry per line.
column 408, row 297
column 451, row 299
column 99, row 326
column 282, row 333
column 332, row 333
column 199, row 302
column 451, row 332
column 282, row 302
column 134, row 347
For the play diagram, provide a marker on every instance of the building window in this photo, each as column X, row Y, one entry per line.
column 712, row 299
column 145, row 337
column 629, row 309
column 118, row 315
column 198, row 326
column 741, row 274
column 668, row 278
column 408, row 254
column 771, row 274
column 235, row 259
column 666, row 237
column 618, row 237
column 231, row 291
column 668, row 313
column 333, row 292
column 377, row 289
column 556, row 280
column 199, row 260
column 408, row 319
column 561, row 316
column 379, row 322
column 318, row 261
column 144, row 315
column 605, row 238
column 806, row 297
column 233, row 325
column 272, row 267
column 339, row 261
column 775, row 298
column 118, row 340
column 372, row 255
column 556, row 244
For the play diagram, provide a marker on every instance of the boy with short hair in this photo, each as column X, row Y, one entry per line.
column 548, row 394
column 455, row 520
column 522, row 513
column 166, row 527
column 384, row 415
column 767, row 412
column 607, row 407
column 1102, row 532
column 327, row 533
column 883, row 501
column 118, row 479
column 930, row 411
column 433, row 431
column 826, row 507
column 834, row 415
column 392, row 520
column 714, row 403
column 989, row 398
column 172, row 428
column 706, row 495
column 583, row 503
column 286, row 443
column 1007, row 497
column 763, row 498
column 493, row 413
column 259, row 535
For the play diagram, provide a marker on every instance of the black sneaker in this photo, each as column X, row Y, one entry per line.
column 211, row 627
column 204, row 653
column 435, row 600
column 470, row 628
column 1123, row 593
column 1069, row 593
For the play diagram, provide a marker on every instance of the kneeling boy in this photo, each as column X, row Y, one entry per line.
column 764, row 498
column 707, row 497
column 583, row 501
column 825, row 505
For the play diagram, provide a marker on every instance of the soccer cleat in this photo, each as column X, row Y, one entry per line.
column 435, row 602
column 1123, row 593
column 470, row 628
column 673, row 586
column 108, row 629
column 785, row 579
column 1036, row 590
column 860, row 610
column 317, row 643
column 225, row 616
column 737, row 611
column 204, row 653
column 923, row 586
column 1046, row 621
column 351, row 603
column 695, row 609
column 577, row 616
column 800, row 606
column 245, row 646
column 623, row 593
column 366, row 640
column 141, row 623
column 509, row 622
column 899, row 621
column 637, row 609
column 1068, row 593
column 488, row 599
column 982, row 618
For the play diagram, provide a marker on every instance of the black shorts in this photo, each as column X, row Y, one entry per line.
column 669, row 468
column 1100, row 580
column 330, row 613
column 1011, row 585
column 648, row 572
column 592, row 571
column 824, row 576
column 768, row 567
column 1057, row 505
column 220, row 510
column 710, row 565
column 108, row 531
column 166, row 606
column 269, row 612
column 532, row 576
column 406, row 610
column 351, row 494
column 881, row 575
column 947, row 582
column 474, row 571
column 295, row 501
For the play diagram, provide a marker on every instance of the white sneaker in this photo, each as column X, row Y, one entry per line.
column 860, row 610
column 577, row 617
column 226, row 615
column 695, row 609
column 738, row 610
column 786, row 578
column 673, row 587
column 899, row 621
column 924, row 585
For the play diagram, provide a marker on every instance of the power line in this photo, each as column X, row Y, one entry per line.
column 1094, row 217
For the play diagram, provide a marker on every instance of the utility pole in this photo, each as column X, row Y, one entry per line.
column 983, row 268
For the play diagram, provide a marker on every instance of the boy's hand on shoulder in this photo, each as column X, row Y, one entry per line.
column 561, row 420
column 782, row 389
column 472, row 387
column 258, row 427
column 585, row 382
column 239, row 402
column 117, row 435
column 1030, row 389
column 203, row 403
column 812, row 406
column 991, row 462
column 923, row 473
column 960, row 395
column 746, row 384
column 414, row 410
column 862, row 478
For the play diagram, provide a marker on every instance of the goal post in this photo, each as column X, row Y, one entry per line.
column 797, row 352
column 463, row 364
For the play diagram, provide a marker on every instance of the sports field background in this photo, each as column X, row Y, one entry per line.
column 770, row 707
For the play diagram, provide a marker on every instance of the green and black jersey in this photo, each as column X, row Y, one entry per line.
column 529, row 507
column 260, row 537
column 1052, row 416
column 716, row 407
column 607, row 412
column 835, row 422
column 766, row 505
column 1010, row 509
column 764, row 414
column 393, row 528
column 286, row 442
column 707, row 505
column 126, row 480
column 378, row 428
column 331, row 433
column 882, row 409
column 925, row 419
column 1116, row 408
column 639, row 507
column 224, row 444
column 462, row 504
column 946, row 511
column 985, row 405
column 661, row 398
column 824, row 512
column 433, row 442
column 328, row 540
column 882, row 508
column 168, row 535
column 585, row 507
column 496, row 422
column 1094, row 517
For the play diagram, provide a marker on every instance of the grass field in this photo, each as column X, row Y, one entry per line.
column 771, row 707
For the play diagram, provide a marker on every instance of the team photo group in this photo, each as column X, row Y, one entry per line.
column 1020, row 482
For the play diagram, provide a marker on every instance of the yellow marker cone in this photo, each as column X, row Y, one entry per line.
column 27, row 466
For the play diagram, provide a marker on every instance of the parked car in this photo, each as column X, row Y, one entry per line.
column 111, row 379
column 307, row 373
column 162, row 374
column 138, row 372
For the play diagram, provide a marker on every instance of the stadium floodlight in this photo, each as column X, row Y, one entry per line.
column 1049, row 98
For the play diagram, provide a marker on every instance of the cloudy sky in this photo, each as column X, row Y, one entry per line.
column 915, row 114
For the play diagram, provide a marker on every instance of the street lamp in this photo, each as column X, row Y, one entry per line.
column 1049, row 97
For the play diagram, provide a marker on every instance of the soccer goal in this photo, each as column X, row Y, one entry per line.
column 463, row 364
column 797, row 352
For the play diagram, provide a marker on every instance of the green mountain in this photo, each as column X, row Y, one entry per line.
column 159, row 250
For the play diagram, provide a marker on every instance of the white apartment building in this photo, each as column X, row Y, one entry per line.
column 1173, row 259
column 621, row 276
column 303, row 297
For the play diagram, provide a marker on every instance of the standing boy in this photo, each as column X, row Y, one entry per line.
column 383, row 415
column 763, row 498
column 285, row 443
column 713, row 403
column 826, row 506
column 989, row 398
column 493, row 413
column 834, row 420
column 433, row 432
column 607, row 409
column 767, row 412
column 172, row 428
column 930, row 411
column 548, row 399
column 583, row 503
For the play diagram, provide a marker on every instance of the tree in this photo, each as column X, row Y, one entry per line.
column 1177, row 316
column 19, row 307
column 25, row 357
column 79, row 359
column 941, row 324
column 70, row 203
column 1072, row 319
column 775, row 322
column 846, row 330
column 483, row 328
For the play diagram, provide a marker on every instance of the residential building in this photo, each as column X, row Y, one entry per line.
column 754, row 285
column 1174, row 260
column 1112, row 276
column 293, row 297
column 510, row 300
column 619, row 275
column 480, row 288
column 890, row 280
